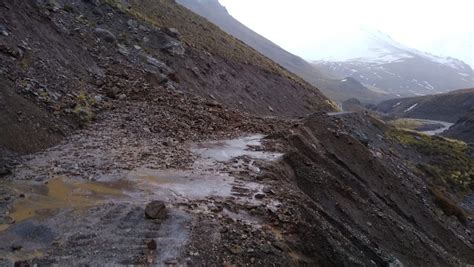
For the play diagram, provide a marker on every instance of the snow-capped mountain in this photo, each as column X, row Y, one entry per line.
column 376, row 60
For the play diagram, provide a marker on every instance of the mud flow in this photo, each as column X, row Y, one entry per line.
column 62, row 209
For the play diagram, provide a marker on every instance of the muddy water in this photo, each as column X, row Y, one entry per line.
column 41, row 212
column 228, row 149
column 173, row 185
column 43, row 199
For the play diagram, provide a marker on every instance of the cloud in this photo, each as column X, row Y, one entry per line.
column 297, row 24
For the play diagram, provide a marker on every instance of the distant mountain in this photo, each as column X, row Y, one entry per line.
column 331, row 86
column 376, row 60
column 463, row 129
column 444, row 107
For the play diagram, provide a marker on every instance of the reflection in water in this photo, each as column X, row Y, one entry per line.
column 43, row 200
column 229, row 149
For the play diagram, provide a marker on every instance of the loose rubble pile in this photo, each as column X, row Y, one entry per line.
column 155, row 161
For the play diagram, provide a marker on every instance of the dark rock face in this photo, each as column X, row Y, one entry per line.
column 155, row 210
column 463, row 129
column 351, row 183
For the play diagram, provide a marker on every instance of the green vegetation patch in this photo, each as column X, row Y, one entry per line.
column 83, row 109
column 410, row 124
column 447, row 160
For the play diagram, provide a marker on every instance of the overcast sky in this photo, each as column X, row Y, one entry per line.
column 442, row 27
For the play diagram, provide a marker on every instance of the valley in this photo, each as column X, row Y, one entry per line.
column 138, row 133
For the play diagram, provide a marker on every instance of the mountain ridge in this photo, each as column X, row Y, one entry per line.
column 375, row 59
column 330, row 85
column 448, row 107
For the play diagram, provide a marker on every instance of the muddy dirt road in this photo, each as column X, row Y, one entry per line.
column 83, row 201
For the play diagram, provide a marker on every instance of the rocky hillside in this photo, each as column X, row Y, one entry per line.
column 376, row 60
column 152, row 130
column 332, row 86
column 65, row 61
column 463, row 129
column 443, row 107
column 358, row 192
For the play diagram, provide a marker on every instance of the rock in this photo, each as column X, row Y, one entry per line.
column 267, row 190
column 123, row 50
column 170, row 86
column 12, row 51
column 171, row 262
column 394, row 262
column 151, row 244
column 3, row 30
column 260, row 196
column 280, row 245
column 92, row 2
column 98, row 98
column 270, row 108
column 174, row 77
column 236, row 249
column 173, row 32
column 217, row 208
column 155, row 78
column 4, row 171
column 112, row 92
column 174, row 47
column 21, row 264
column 52, row 5
column 159, row 64
column 16, row 247
column 106, row 35
column 143, row 28
column 132, row 23
column 155, row 210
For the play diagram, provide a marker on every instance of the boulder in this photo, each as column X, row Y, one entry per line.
column 155, row 210
column 105, row 35
column 3, row 30
column 174, row 47
column 112, row 92
column 4, row 170
column 133, row 24
column 162, row 67
column 155, row 78
column 173, row 32
column 151, row 244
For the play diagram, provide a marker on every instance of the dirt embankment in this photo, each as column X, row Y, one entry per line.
column 375, row 208
column 63, row 62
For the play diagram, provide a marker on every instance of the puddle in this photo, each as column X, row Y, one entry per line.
column 42, row 204
column 228, row 149
column 45, row 199
column 171, row 185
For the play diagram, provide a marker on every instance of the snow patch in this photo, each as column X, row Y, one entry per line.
column 411, row 108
